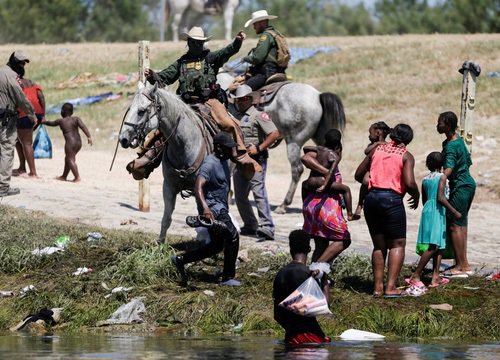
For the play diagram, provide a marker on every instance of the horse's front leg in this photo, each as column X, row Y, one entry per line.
column 176, row 21
column 228, row 21
column 293, row 151
column 169, row 197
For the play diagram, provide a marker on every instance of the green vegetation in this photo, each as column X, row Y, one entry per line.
column 125, row 258
column 132, row 20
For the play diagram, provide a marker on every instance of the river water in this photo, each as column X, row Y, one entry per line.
column 234, row 348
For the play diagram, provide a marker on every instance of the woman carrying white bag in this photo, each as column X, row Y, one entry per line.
column 298, row 297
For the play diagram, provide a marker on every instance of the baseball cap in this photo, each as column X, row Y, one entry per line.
column 224, row 139
column 19, row 56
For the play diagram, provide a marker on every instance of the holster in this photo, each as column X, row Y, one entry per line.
column 8, row 118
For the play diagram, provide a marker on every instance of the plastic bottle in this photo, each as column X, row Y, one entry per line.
column 62, row 241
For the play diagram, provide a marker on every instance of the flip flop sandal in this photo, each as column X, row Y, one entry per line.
column 419, row 283
column 392, row 296
column 441, row 282
column 458, row 275
column 198, row 221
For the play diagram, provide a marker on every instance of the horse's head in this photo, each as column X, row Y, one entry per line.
column 141, row 117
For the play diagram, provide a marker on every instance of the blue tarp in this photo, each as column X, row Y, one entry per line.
column 493, row 74
column 296, row 55
column 56, row 109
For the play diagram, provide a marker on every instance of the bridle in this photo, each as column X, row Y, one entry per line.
column 151, row 112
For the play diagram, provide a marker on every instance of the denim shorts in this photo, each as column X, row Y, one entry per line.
column 25, row 122
column 385, row 214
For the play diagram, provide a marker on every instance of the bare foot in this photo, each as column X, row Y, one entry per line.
column 77, row 180
column 33, row 176
column 357, row 213
column 60, row 178
column 23, row 175
column 17, row 172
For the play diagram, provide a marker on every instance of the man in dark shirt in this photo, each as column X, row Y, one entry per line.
column 298, row 329
column 211, row 190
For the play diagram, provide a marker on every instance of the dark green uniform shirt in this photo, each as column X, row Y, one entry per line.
column 264, row 54
column 197, row 75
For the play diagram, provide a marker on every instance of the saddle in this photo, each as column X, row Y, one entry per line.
column 267, row 93
column 215, row 118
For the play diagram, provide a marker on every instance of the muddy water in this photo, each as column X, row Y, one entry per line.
column 165, row 347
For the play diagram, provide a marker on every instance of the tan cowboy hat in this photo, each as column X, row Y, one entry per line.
column 196, row 33
column 259, row 15
column 242, row 91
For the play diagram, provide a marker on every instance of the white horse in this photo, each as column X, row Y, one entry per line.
column 299, row 111
column 187, row 142
column 177, row 8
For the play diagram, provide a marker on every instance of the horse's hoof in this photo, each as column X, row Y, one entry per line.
column 280, row 210
column 160, row 241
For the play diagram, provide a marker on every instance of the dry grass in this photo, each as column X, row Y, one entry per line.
column 409, row 79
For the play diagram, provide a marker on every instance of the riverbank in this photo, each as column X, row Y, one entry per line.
column 130, row 259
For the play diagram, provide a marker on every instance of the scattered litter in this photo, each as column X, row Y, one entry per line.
column 493, row 277
column 6, row 293
column 267, row 253
column 354, row 334
column 237, row 328
column 263, row 269
column 243, row 255
column 128, row 222
column 94, row 236
column 414, row 291
column 127, row 313
column 37, row 322
column 27, row 290
column 104, row 285
column 445, row 307
column 493, row 74
column 82, row 270
column 47, row 250
column 118, row 290
column 91, row 79
column 208, row 292
column 252, row 274
column 62, row 241
column 471, row 287
column 88, row 100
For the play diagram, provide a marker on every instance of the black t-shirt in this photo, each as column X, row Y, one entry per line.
column 287, row 281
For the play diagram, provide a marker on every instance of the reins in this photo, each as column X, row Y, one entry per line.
column 118, row 140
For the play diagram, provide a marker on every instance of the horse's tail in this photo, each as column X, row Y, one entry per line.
column 333, row 116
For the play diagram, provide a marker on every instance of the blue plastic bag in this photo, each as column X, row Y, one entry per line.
column 42, row 146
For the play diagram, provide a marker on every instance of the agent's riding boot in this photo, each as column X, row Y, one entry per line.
column 250, row 166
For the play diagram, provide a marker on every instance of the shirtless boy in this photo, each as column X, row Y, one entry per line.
column 73, row 142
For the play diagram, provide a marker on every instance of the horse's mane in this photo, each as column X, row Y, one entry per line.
column 175, row 106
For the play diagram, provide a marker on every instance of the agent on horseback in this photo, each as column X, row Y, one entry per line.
column 197, row 74
column 270, row 56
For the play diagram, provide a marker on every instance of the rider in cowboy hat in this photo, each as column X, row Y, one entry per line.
column 197, row 69
column 263, row 56
column 197, row 74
